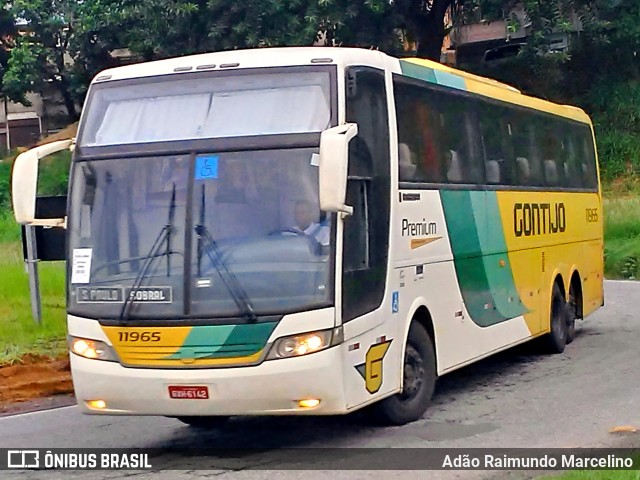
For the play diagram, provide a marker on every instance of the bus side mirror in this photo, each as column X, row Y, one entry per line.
column 334, row 165
column 24, row 184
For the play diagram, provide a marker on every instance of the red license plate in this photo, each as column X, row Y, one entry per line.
column 188, row 392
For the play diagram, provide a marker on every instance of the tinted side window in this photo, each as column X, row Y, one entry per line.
column 496, row 138
column 548, row 137
column 570, row 158
column 528, row 164
column 461, row 142
column 586, row 157
column 419, row 149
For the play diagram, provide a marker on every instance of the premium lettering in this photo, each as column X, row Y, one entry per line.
column 531, row 219
column 414, row 229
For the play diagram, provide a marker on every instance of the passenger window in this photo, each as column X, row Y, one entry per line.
column 528, row 164
column 419, row 154
column 461, row 140
column 569, row 159
column 494, row 146
column 587, row 157
column 548, row 132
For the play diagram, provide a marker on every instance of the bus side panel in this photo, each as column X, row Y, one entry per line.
column 551, row 233
column 425, row 270
column 372, row 360
column 442, row 257
column 592, row 285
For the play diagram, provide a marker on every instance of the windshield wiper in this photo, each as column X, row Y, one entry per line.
column 230, row 280
column 164, row 234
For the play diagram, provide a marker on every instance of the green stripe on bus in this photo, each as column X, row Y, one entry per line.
column 500, row 275
column 224, row 341
column 450, row 80
column 417, row 71
column 478, row 245
column 433, row 76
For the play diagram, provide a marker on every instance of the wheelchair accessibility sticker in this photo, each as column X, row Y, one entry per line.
column 394, row 302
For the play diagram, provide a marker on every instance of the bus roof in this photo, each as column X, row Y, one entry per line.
column 441, row 74
column 289, row 56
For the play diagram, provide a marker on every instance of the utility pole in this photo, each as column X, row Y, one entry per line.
column 6, row 123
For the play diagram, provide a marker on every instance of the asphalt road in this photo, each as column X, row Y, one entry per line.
column 515, row 399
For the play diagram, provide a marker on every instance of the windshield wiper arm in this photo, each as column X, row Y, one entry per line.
column 230, row 280
column 169, row 227
column 164, row 234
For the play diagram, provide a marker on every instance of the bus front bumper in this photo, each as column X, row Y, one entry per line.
column 274, row 387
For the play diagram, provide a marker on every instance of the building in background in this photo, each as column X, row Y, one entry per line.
column 474, row 40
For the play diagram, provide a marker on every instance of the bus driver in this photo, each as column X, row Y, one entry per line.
column 303, row 215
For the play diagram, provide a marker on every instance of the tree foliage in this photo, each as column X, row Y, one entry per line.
column 68, row 41
column 63, row 43
column 7, row 34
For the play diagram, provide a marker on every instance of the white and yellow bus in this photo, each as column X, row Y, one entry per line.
column 314, row 230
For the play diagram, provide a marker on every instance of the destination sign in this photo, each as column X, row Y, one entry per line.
column 118, row 294
column 100, row 295
column 150, row 295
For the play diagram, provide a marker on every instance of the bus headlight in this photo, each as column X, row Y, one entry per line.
column 306, row 343
column 94, row 349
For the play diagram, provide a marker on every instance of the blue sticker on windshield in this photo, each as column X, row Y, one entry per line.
column 206, row 167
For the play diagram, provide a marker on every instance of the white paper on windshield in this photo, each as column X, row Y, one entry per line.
column 81, row 265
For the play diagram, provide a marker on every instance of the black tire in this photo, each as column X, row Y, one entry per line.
column 205, row 423
column 572, row 308
column 418, row 385
column 556, row 339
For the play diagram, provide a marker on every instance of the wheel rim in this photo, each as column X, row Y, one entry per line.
column 413, row 374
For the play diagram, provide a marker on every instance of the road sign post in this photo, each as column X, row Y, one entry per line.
column 32, row 270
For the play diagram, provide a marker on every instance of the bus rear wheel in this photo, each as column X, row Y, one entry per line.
column 556, row 339
column 208, row 423
column 419, row 380
column 573, row 315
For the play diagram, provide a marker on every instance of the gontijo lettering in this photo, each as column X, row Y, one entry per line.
column 538, row 219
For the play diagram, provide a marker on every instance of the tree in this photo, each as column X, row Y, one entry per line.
column 423, row 22
column 161, row 28
column 7, row 34
column 63, row 45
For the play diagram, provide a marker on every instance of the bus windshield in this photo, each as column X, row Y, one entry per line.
column 206, row 235
column 201, row 106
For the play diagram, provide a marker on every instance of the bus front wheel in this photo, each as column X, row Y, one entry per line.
column 208, row 423
column 419, row 380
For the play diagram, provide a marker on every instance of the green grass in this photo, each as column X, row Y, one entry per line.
column 19, row 333
column 622, row 237
column 596, row 475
